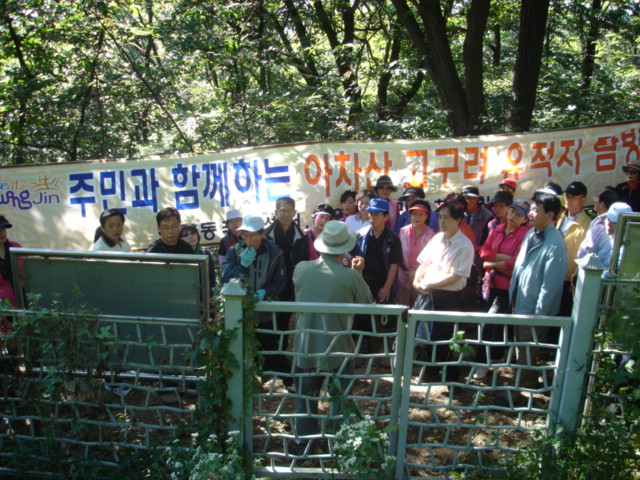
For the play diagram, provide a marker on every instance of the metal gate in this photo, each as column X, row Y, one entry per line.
column 442, row 424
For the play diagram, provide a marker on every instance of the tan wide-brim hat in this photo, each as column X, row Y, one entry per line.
column 335, row 239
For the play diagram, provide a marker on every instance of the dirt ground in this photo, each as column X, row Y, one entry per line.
column 443, row 421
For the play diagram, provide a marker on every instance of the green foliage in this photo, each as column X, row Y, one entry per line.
column 49, row 346
column 56, row 356
column 212, row 354
column 203, row 458
column 458, row 344
column 602, row 450
column 105, row 79
column 61, row 339
column 211, row 450
column 362, row 450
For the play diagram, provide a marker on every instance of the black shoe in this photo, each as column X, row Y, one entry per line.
column 289, row 384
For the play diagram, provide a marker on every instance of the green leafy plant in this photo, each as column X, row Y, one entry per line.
column 211, row 352
column 58, row 341
column 362, row 450
column 61, row 354
column 208, row 458
column 458, row 344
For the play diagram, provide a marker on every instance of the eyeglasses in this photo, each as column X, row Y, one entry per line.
column 168, row 228
column 189, row 233
column 384, row 187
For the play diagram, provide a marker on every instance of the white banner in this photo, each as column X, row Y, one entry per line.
column 58, row 205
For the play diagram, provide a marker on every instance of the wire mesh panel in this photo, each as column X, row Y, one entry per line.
column 618, row 326
column 85, row 389
column 89, row 408
column 453, row 422
column 304, row 398
column 613, row 359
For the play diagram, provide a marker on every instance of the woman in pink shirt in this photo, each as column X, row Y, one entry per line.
column 499, row 254
column 413, row 238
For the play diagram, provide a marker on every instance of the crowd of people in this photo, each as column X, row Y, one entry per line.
column 506, row 255
column 393, row 244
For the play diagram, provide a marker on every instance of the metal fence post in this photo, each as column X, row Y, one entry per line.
column 584, row 316
column 233, row 293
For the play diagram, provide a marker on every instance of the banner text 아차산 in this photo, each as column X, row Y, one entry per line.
column 58, row 205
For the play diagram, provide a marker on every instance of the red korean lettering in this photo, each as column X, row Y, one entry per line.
column 477, row 160
column 445, row 171
column 514, row 157
column 542, row 156
column 630, row 141
column 343, row 176
column 605, row 149
column 421, row 155
column 373, row 166
column 570, row 154
column 312, row 161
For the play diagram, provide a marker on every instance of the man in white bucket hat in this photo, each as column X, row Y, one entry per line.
column 323, row 337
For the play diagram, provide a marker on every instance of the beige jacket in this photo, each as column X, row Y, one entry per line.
column 573, row 238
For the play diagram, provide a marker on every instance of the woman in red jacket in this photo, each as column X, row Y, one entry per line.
column 6, row 277
column 7, row 293
column 499, row 254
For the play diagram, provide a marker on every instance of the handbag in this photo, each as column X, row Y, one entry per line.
column 487, row 283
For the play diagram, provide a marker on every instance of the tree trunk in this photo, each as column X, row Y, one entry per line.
column 24, row 93
column 589, row 59
column 473, row 61
column 87, row 93
column 497, row 45
column 342, row 51
column 305, row 64
column 432, row 42
column 385, row 110
column 533, row 21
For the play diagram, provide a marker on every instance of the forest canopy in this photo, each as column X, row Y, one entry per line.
column 87, row 79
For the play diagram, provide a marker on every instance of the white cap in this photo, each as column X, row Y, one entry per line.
column 613, row 214
column 233, row 213
column 252, row 223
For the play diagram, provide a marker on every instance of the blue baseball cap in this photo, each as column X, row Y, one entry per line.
column 379, row 205
column 521, row 206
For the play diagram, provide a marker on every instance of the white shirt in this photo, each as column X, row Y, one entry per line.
column 443, row 256
column 102, row 246
column 354, row 223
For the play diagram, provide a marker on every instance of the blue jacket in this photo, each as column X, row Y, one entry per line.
column 538, row 274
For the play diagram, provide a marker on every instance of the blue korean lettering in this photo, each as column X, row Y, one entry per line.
column 189, row 198
column 216, row 183
column 145, row 194
column 78, row 183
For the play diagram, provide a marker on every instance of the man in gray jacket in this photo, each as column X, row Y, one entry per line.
column 323, row 344
column 536, row 284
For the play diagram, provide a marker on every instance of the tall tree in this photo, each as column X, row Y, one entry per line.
column 533, row 21
column 427, row 31
column 590, row 49
column 96, row 79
